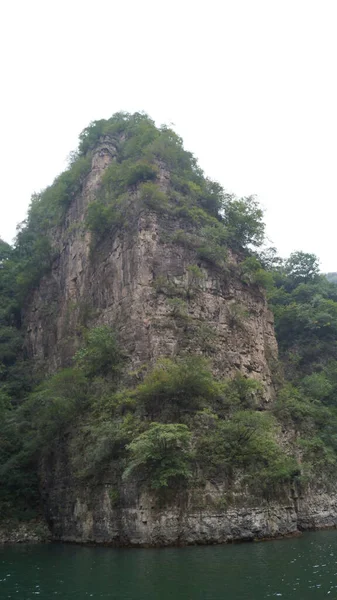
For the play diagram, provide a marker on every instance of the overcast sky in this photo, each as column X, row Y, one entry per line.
column 250, row 85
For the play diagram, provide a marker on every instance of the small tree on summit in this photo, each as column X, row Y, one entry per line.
column 243, row 219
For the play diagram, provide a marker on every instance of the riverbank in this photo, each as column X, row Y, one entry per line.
column 13, row 531
column 144, row 525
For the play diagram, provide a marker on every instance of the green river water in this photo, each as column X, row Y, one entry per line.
column 300, row 568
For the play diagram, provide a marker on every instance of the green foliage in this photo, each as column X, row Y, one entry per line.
column 239, row 393
column 178, row 308
column 109, row 429
column 209, row 244
column 10, row 345
column 302, row 267
column 318, row 457
column 101, row 441
column 237, row 315
column 184, row 238
column 196, row 274
column 153, row 197
column 31, row 430
column 120, row 123
column 163, row 285
column 306, row 327
column 204, row 335
column 305, row 308
column 244, row 392
column 141, row 150
column 173, row 388
column 293, row 408
column 210, row 250
column 318, row 386
column 114, row 497
column 167, row 147
column 314, row 423
column 51, row 410
column 100, row 219
column 5, row 252
column 140, row 172
column 243, row 444
column 48, row 207
column 270, row 260
column 243, row 219
column 253, row 273
column 15, row 383
column 119, row 176
column 33, row 265
column 162, row 454
column 66, row 185
column 32, row 254
column 100, row 355
column 195, row 280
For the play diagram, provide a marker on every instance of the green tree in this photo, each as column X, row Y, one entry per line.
column 243, row 219
column 100, row 354
column 173, row 388
column 163, row 454
column 244, row 444
column 302, row 267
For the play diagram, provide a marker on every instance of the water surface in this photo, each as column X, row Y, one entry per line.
column 298, row 568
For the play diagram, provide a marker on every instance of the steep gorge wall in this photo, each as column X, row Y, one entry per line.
column 116, row 286
column 88, row 515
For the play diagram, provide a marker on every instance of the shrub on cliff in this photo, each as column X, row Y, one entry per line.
column 100, row 354
column 152, row 196
column 99, row 219
column 51, row 408
column 173, row 388
column 244, row 445
column 102, row 441
column 162, row 455
column 252, row 272
column 141, row 171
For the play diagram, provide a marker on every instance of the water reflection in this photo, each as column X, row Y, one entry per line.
column 301, row 568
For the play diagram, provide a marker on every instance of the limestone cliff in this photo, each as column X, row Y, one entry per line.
column 125, row 280
column 117, row 286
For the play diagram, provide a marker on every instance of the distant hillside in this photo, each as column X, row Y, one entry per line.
column 332, row 277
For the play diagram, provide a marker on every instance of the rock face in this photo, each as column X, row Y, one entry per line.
column 90, row 514
column 118, row 286
column 126, row 284
column 14, row 532
column 89, row 517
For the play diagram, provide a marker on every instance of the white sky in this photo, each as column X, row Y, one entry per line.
column 250, row 85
